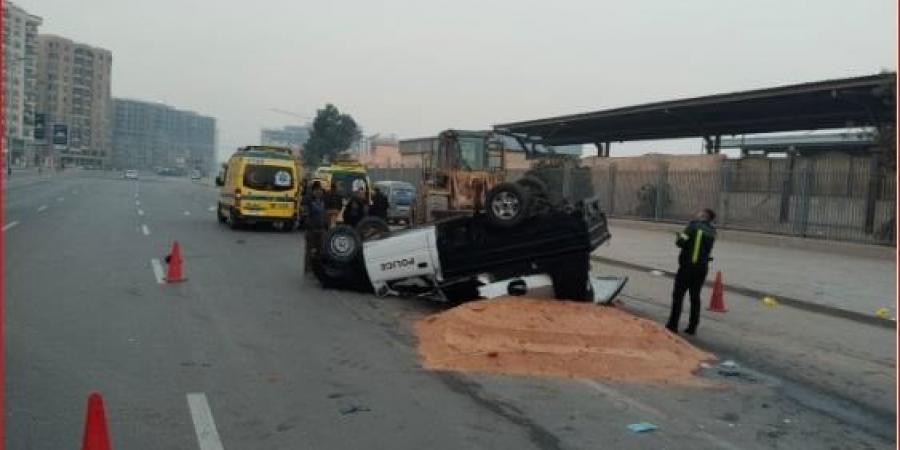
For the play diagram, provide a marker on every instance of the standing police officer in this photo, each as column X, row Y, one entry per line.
column 316, row 224
column 696, row 243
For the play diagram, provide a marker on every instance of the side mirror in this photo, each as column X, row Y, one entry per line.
column 219, row 181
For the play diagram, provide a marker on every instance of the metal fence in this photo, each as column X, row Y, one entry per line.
column 853, row 203
column 410, row 175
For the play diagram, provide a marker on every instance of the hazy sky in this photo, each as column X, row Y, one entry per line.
column 415, row 67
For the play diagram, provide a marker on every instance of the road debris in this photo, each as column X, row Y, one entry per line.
column 729, row 368
column 513, row 335
column 642, row 427
column 769, row 301
column 353, row 409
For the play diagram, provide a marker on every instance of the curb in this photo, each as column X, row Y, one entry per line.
column 804, row 305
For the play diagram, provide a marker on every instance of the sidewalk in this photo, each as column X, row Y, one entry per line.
column 851, row 277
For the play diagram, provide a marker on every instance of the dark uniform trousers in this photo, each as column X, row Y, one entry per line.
column 689, row 279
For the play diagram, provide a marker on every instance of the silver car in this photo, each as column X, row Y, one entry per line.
column 401, row 196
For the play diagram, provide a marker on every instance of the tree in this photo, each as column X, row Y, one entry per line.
column 332, row 133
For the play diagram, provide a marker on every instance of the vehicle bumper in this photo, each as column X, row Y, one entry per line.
column 264, row 216
column 397, row 213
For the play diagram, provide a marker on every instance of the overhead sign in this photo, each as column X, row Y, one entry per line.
column 60, row 135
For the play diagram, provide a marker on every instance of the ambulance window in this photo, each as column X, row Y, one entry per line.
column 268, row 178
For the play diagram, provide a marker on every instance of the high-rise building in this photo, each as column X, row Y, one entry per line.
column 73, row 102
column 149, row 135
column 20, row 59
column 290, row 136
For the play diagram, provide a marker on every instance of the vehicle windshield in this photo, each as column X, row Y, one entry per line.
column 268, row 178
column 345, row 183
column 471, row 153
column 403, row 196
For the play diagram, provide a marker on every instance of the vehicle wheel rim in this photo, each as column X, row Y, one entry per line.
column 342, row 245
column 505, row 205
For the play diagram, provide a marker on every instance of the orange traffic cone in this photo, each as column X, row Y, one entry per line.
column 717, row 301
column 174, row 260
column 96, row 432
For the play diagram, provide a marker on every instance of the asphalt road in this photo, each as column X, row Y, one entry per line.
column 250, row 348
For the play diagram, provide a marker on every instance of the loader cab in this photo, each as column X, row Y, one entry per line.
column 470, row 151
column 457, row 172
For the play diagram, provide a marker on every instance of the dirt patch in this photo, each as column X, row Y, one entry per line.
column 524, row 336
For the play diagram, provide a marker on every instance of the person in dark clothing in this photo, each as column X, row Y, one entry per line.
column 380, row 204
column 356, row 208
column 696, row 243
column 333, row 199
column 333, row 205
column 316, row 224
column 315, row 207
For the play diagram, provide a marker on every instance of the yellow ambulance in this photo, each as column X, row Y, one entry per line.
column 260, row 184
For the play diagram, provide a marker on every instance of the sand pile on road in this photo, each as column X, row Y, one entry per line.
column 521, row 336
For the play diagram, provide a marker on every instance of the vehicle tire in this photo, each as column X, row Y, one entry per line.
column 233, row 221
column 342, row 244
column 329, row 277
column 536, row 187
column 372, row 227
column 219, row 216
column 507, row 205
column 539, row 194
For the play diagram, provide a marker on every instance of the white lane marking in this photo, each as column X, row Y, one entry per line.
column 140, row 212
column 137, row 203
column 648, row 410
column 10, row 225
column 211, row 208
column 187, row 213
column 42, row 208
column 60, row 199
column 158, row 271
column 145, row 230
column 204, row 425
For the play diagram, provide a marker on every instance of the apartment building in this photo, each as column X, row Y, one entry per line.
column 20, row 31
column 148, row 135
column 74, row 102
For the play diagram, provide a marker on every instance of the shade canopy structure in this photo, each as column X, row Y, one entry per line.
column 841, row 103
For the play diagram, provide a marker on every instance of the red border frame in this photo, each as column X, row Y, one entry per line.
column 3, row 241
column 5, row 162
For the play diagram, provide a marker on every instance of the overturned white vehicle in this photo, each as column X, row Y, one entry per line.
column 468, row 257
